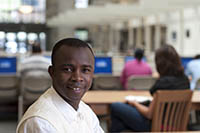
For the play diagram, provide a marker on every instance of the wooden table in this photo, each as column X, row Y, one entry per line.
column 100, row 100
column 196, row 100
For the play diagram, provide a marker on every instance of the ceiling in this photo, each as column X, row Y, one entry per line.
column 117, row 12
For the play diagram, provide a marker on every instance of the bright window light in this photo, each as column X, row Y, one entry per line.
column 26, row 9
column 81, row 3
column 11, row 47
column 2, row 35
column 21, row 36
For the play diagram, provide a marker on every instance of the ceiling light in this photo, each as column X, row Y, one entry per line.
column 26, row 9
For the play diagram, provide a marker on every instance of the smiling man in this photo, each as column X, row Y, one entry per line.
column 60, row 109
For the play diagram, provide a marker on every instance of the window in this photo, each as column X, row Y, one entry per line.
column 187, row 33
column 21, row 36
column 174, row 36
column 2, row 39
column 81, row 34
column 10, row 11
column 19, row 42
column 81, row 3
column 11, row 44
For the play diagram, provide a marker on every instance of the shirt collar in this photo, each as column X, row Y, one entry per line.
column 69, row 113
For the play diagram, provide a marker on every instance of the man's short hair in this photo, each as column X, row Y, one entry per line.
column 72, row 42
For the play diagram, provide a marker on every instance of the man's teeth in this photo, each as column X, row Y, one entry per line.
column 76, row 89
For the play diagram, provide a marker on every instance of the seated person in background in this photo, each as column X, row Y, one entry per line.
column 35, row 61
column 137, row 117
column 193, row 71
column 60, row 109
column 135, row 67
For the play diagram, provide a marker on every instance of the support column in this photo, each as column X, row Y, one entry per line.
column 181, row 33
column 139, row 37
column 111, row 40
column 105, row 42
column 130, row 37
column 117, row 40
column 147, row 38
column 157, row 34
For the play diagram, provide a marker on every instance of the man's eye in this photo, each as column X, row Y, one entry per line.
column 68, row 69
column 86, row 70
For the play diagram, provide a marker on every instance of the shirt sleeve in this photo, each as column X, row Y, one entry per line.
column 37, row 125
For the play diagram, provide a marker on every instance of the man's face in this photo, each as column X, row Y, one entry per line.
column 72, row 73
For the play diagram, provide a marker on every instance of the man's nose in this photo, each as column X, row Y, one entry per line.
column 77, row 76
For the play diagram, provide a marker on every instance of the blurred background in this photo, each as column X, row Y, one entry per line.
column 114, row 28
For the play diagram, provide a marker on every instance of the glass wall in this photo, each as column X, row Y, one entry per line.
column 22, row 11
column 20, row 42
column 81, row 34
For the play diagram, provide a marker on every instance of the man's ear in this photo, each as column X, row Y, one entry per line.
column 50, row 70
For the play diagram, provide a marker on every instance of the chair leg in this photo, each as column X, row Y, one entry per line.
column 193, row 116
column 198, row 116
column 20, row 107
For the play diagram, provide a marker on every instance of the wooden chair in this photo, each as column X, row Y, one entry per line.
column 9, row 88
column 33, row 83
column 140, row 82
column 171, row 110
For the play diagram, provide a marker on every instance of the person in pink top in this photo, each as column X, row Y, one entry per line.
column 136, row 67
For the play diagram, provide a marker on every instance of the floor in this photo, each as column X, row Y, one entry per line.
column 8, row 120
column 9, row 126
column 8, row 123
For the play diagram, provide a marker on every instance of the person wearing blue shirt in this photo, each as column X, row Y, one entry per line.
column 193, row 71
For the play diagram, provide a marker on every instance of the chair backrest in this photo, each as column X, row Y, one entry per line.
column 171, row 110
column 106, row 82
column 140, row 82
column 9, row 88
column 34, row 83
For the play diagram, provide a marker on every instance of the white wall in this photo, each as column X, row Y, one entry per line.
column 189, row 45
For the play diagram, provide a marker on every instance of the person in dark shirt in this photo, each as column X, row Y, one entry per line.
column 168, row 65
column 135, row 116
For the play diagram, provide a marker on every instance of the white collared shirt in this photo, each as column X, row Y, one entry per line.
column 34, row 61
column 78, row 120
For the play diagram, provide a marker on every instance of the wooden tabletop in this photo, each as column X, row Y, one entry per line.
column 196, row 97
column 99, row 100
column 110, row 96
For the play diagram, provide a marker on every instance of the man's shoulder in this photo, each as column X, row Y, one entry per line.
column 42, row 103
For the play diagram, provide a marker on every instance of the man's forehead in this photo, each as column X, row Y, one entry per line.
column 75, row 48
column 70, row 51
column 66, row 47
